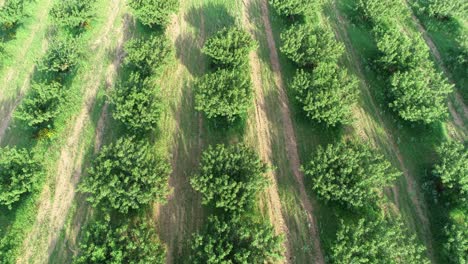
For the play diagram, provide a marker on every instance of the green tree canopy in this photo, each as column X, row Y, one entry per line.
column 443, row 9
column 377, row 242
column 11, row 13
column 126, row 175
column 146, row 55
column 124, row 244
column 291, row 8
column 400, row 52
column 230, row 177
column 153, row 12
column 452, row 169
column 381, row 12
column 419, row 95
column 456, row 246
column 236, row 241
column 73, row 13
column 350, row 172
column 229, row 47
column 18, row 172
column 327, row 94
column 137, row 104
column 224, row 93
column 62, row 56
column 309, row 46
column 42, row 105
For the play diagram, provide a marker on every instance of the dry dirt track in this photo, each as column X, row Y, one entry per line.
column 53, row 207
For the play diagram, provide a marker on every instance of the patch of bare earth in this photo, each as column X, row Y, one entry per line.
column 262, row 123
column 289, row 135
column 54, row 204
column 412, row 189
column 7, row 109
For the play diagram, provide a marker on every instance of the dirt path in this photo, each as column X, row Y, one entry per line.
column 53, row 208
column 262, row 124
column 289, row 135
column 6, row 110
column 411, row 183
column 435, row 52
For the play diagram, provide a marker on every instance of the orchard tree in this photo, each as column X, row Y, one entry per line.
column 350, row 173
column 19, row 170
column 153, row 12
column 137, row 104
column 381, row 12
column 62, row 56
column 42, row 105
column 419, row 95
column 456, row 246
column 309, row 46
column 378, row 242
column 229, row 47
column 327, row 94
column 73, row 14
column 126, row 175
column 230, row 177
column 12, row 13
column 236, row 241
column 147, row 55
column 224, row 93
column 292, row 8
column 452, row 169
column 400, row 52
column 443, row 9
column 122, row 244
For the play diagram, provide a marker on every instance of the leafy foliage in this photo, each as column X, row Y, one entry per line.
column 419, row 95
column 147, row 55
column 308, row 46
column 236, row 241
column 224, row 93
column 291, row 8
column 457, row 243
column 126, row 175
column 73, row 13
column 230, row 177
column 398, row 51
column 229, row 47
column 351, row 173
column 153, row 12
column 42, row 105
column 443, row 9
column 103, row 243
column 11, row 13
column 376, row 241
column 18, row 172
column 453, row 169
column 382, row 11
column 62, row 55
column 136, row 103
column 327, row 94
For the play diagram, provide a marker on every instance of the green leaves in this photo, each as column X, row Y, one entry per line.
column 153, row 12
column 419, row 95
column 11, row 13
column 224, row 93
column 42, row 105
column 137, row 104
column 229, row 47
column 327, row 94
column 135, row 244
column 236, row 241
column 309, row 46
column 62, row 55
column 443, row 9
column 290, row 8
column 19, row 170
column 147, row 55
column 376, row 241
column 350, row 173
column 126, row 175
column 73, row 13
column 230, row 177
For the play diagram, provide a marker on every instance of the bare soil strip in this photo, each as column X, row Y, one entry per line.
column 6, row 110
column 289, row 135
column 412, row 190
column 53, row 209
